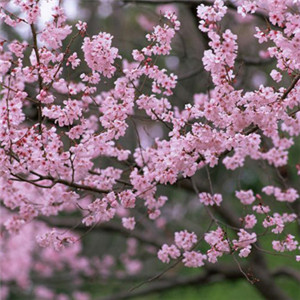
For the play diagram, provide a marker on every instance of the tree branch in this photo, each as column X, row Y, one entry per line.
column 36, row 51
column 289, row 89
column 61, row 181
column 286, row 271
column 76, row 224
column 205, row 278
column 190, row 2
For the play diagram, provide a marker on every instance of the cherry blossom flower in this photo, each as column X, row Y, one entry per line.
column 208, row 199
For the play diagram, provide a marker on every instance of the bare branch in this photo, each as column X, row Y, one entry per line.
column 36, row 51
column 61, row 181
column 205, row 278
column 76, row 224
column 289, row 89
column 286, row 271
column 229, row 4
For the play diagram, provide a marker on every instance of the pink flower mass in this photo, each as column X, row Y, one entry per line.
column 88, row 188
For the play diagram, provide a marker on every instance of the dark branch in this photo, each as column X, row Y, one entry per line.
column 61, row 181
column 289, row 89
column 76, row 224
column 205, row 278
column 286, row 271
column 189, row 2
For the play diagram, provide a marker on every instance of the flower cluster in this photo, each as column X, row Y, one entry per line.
column 162, row 36
column 244, row 242
column 218, row 243
column 55, row 240
column 289, row 243
column 183, row 240
column 208, row 199
column 290, row 195
column 99, row 54
column 210, row 15
column 101, row 210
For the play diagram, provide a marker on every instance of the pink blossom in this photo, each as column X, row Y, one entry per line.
column 276, row 75
column 137, row 55
column 185, row 240
column 168, row 251
column 18, row 48
column 244, row 242
column 218, row 243
column 55, row 32
column 290, row 195
column 127, row 199
column 128, row 223
column 73, row 60
column 289, row 244
column 247, row 7
column 193, row 259
column 45, row 97
column 99, row 54
column 14, row 224
column 208, row 199
column 81, row 26
column 250, row 221
column 246, row 197
column 261, row 209
column 55, row 239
